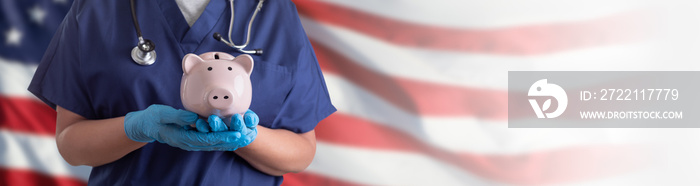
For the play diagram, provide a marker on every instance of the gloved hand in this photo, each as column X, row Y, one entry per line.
column 168, row 125
column 247, row 128
column 146, row 125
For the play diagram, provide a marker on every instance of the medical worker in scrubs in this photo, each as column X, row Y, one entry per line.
column 125, row 119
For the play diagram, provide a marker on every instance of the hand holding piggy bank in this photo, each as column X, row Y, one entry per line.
column 216, row 83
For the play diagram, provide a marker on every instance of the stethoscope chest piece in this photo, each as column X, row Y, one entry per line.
column 144, row 53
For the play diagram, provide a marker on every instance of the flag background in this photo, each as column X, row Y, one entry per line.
column 421, row 92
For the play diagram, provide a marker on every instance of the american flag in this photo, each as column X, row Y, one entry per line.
column 28, row 153
column 420, row 88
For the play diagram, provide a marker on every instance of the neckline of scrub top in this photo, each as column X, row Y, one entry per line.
column 191, row 37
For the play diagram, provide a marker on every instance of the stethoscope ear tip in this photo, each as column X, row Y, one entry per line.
column 217, row 36
column 256, row 52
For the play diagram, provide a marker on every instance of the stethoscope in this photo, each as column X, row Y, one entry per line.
column 144, row 53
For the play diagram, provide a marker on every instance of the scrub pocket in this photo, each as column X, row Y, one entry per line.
column 271, row 85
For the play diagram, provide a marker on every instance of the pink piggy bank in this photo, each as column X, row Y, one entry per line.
column 216, row 83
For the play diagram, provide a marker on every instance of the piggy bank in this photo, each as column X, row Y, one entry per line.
column 216, row 83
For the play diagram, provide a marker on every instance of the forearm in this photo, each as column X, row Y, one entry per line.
column 92, row 142
column 279, row 151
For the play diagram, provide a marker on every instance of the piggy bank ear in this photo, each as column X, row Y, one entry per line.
column 189, row 61
column 246, row 62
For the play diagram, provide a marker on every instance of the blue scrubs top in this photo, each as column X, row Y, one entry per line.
column 88, row 70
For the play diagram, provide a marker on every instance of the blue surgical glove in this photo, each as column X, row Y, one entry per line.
column 146, row 125
column 245, row 125
column 168, row 125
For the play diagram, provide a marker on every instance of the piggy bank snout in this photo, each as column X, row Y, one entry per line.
column 220, row 98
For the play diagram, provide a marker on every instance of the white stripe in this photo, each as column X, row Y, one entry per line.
column 643, row 177
column 15, row 78
column 37, row 153
column 474, row 70
column 492, row 13
column 461, row 134
column 381, row 167
column 376, row 167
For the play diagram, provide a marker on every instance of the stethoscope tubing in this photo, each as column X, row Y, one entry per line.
column 241, row 48
column 144, row 52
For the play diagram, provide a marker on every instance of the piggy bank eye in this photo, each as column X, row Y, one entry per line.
column 229, row 68
column 209, row 69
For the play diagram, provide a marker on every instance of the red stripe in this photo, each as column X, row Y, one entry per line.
column 519, row 40
column 27, row 115
column 28, row 177
column 562, row 165
column 415, row 96
column 307, row 178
